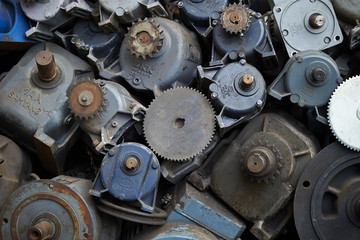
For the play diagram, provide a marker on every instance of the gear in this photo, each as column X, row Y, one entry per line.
column 179, row 124
column 144, row 38
column 344, row 113
column 86, row 99
column 236, row 19
column 261, row 157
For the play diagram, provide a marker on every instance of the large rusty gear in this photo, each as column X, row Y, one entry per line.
column 179, row 124
column 86, row 99
column 144, row 38
column 236, row 19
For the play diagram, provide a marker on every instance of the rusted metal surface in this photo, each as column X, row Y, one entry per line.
column 46, row 66
column 235, row 19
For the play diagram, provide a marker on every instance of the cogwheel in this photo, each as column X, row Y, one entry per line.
column 86, row 99
column 236, row 19
column 144, row 38
column 261, row 158
column 179, row 124
column 344, row 113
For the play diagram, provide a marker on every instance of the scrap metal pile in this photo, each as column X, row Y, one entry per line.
column 189, row 119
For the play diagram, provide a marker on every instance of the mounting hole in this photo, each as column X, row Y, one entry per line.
column 293, row 53
column 5, row 221
column 285, row 32
column 86, row 236
column 179, row 123
column 306, row 184
column 137, row 80
column 278, row 9
column 337, row 38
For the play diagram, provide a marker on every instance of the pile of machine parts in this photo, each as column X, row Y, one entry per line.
column 186, row 119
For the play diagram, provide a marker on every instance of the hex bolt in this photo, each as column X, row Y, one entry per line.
column 318, row 74
column 46, row 66
column 85, row 98
column 317, row 20
column 132, row 163
column 214, row 95
column 41, row 231
column 247, row 82
column 259, row 103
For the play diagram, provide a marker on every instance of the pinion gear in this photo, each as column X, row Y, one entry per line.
column 86, row 99
column 344, row 113
column 144, row 38
column 236, row 19
column 179, row 124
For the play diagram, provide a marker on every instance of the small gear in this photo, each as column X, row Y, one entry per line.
column 261, row 158
column 86, row 99
column 179, row 124
column 144, row 38
column 344, row 113
column 236, row 19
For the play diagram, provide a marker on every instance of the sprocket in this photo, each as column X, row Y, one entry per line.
column 236, row 19
column 179, row 124
column 344, row 113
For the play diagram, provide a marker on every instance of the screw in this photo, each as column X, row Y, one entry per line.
column 68, row 120
column 214, row 95
column 114, row 124
column 180, row 4
column 154, row 166
column 259, row 103
column 111, row 153
column 242, row 61
column 51, row 186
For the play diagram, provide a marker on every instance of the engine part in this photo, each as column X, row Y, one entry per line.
column 174, row 172
column 93, row 44
column 34, row 109
column 179, row 124
column 50, row 15
column 59, row 208
column 115, row 12
column 198, row 15
column 327, row 197
column 237, row 92
column 104, row 110
column 202, row 208
column 307, row 25
column 129, row 172
column 348, row 14
column 265, row 162
column 15, row 168
column 157, row 73
column 175, row 231
column 308, row 78
column 344, row 113
column 13, row 25
column 242, row 34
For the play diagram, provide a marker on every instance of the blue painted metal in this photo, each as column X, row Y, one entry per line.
column 13, row 22
column 138, row 184
column 205, row 210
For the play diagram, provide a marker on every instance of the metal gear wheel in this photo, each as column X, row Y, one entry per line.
column 86, row 99
column 344, row 113
column 236, row 19
column 179, row 124
column 144, row 38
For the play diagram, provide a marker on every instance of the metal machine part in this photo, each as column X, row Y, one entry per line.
column 50, row 15
column 307, row 25
column 174, row 172
column 59, row 208
column 179, row 124
column 236, row 90
column 265, row 162
column 13, row 25
column 252, row 43
column 93, row 44
column 15, row 168
column 327, row 197
column 129, row 172
column 104, row 110
column 344, row 113
column 41, row 120
column 156, row 54
column 308, row 78
column 170, row 231
column 348, row 13
column 199, row 14
column 201, row 209
column 116, row 12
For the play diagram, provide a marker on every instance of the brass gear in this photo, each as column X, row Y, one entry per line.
column 236, row 19
column 86, row 99
column 144, row 38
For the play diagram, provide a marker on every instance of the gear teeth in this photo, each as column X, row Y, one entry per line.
column 226, row 24
column 333, row 130
column 188, row 157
